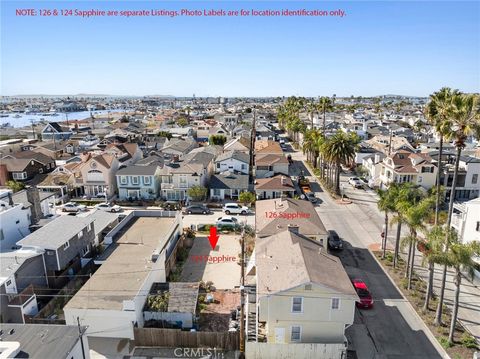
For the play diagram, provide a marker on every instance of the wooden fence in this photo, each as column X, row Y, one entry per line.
column 172, row 338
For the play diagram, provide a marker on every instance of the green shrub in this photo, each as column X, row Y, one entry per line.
column 468, row 341
column 404, row 283
column 444, row 342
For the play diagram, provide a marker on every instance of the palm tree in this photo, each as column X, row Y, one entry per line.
column 325, row 104
column 459, row 257
column 340, row 150
column 415, row 214
column 386, row 204
column 464, row 114
column 437, row 114
column 312, row 107
column 433, row 249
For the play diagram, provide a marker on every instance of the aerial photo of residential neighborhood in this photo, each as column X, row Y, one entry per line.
column 291, row 225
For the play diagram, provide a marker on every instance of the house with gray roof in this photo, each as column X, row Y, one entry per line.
column 138, row 182
column 43, row 341
column 228, row 185
column 304, row 295
column 65, row 241
column 233, row 161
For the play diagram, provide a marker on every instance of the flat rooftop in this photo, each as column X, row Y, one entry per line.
column 41, row 341
column 125, row 270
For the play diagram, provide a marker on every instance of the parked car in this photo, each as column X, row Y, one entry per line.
column 281, row 142
column 311, row 197
column 334, row 241
column 235, row 208
column 355, row 182
column 227, row 221
column 197, row 209
column 73, row 207
column 101, row 195
column 366, row 299
column 107, row 207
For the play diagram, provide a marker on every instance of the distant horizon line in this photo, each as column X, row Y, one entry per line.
column 209, row 96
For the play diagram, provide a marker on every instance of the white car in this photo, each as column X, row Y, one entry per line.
column 107, row 207
column 355, row 182
column 227, row 221
column 235, row 208
column 73, row 207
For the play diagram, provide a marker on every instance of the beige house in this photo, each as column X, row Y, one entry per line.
column 98, row 175
column 267, row 165
column 404, row 166
column 275, row 215
column 304, row 294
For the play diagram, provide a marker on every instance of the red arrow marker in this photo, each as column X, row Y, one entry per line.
column 213, row 238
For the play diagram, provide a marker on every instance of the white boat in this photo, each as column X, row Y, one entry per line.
column 17, row 116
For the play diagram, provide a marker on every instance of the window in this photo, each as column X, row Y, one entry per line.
column 85, row 251
column 296, row 335
column 297, row 305
column 244, row 166
column 420, row 179
column 2, row 236
column 40, row 170
column 218, row 165
column 80, row 234
column 335, row 303
column 216, row 192
column 474, row 178
column 66, row 245
column 135, row 179
column 477, row 229
column 9, row 282
column 89, row 227
column 50, row 253
column 146, row 180
column 17, row 221
column 123, row 179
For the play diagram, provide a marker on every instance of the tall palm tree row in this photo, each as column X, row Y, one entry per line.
column 339, row 150
column 463, row 113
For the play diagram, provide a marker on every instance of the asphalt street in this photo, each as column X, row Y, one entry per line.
column 391, row 329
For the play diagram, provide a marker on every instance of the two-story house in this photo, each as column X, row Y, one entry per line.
column 24, row 165
column 404, row 166
column 98, row 175
column 178, row 177
column 304, row 295
column 232, row 161
column 55, row 130
column 138, row 182
column 228, row 185
column 468, row 182
column 19, row 270
column 268, row 165
column 177, row 147
column 64, row 241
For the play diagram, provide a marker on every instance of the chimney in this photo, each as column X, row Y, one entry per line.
column 33, row 197
column 293, row 228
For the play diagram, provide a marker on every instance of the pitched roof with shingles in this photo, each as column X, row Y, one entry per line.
column 30, row 155
column 270, row 159
column 236, row 155
column 245, row 142
column 137, row 171
column 278, row 182
column 104, row 159
column 407, row 162
column 307, row 218
column 54, row 234
column 267, row 146
column 229, row 180
column 287, row 260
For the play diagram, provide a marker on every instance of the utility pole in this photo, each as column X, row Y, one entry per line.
column 242, row 296
column 390, row 144
column 80, row 335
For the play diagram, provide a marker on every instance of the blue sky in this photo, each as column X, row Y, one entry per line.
column 407, row 47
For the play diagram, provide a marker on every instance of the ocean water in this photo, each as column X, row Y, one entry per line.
column 25, row 120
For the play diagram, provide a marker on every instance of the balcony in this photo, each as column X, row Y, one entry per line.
column 167, row 186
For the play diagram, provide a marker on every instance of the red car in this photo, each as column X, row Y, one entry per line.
column 366, row 300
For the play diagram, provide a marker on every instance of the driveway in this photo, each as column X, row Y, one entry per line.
column 219, row 266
